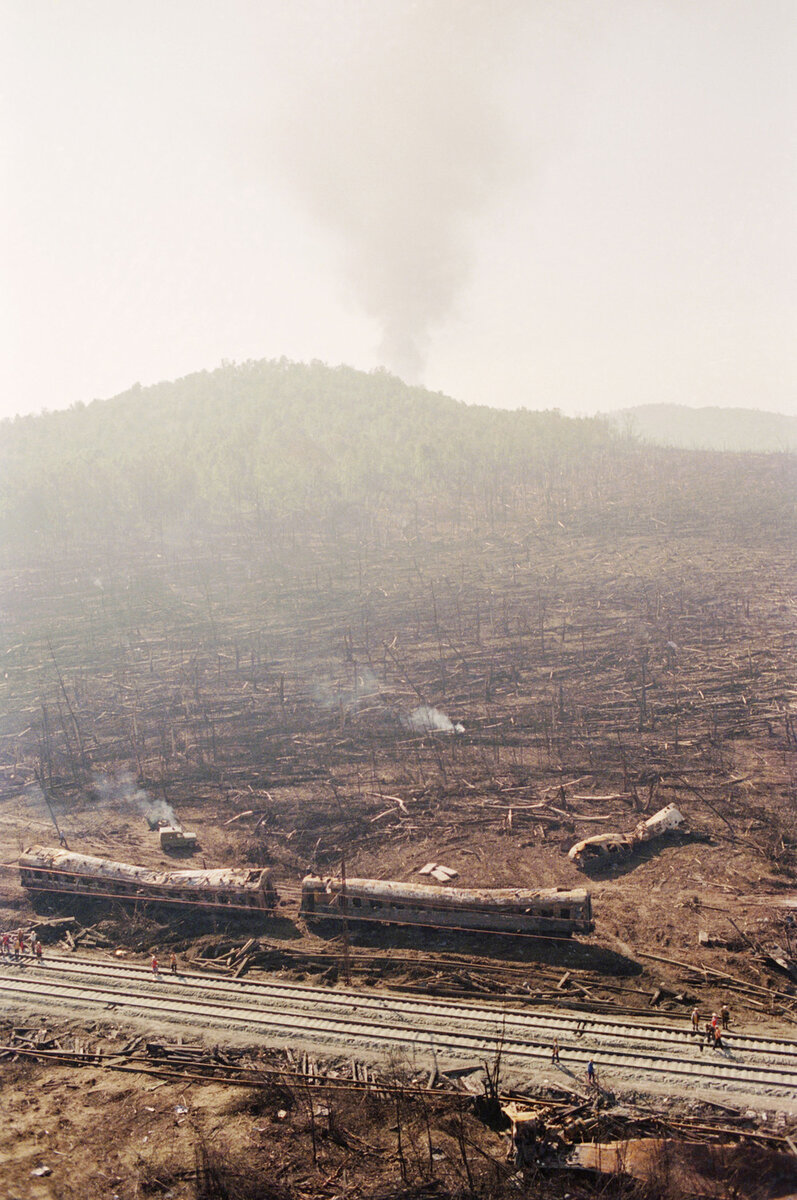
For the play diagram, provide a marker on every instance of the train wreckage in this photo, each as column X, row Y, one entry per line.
column 606, row 848
column 555, row 912
column 59, row 872
column 552, row 911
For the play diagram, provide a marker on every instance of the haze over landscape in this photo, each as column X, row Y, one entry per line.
column 587, row 207
column 398, row 717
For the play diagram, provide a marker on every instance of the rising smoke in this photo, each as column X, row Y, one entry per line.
column 396, row 148
column 123, row 788
column 363, row 691
column 426, row 719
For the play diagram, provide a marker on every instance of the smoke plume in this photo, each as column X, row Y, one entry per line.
column 363, row 691
column 396, row 150
column 124, row 788
column 430, row 720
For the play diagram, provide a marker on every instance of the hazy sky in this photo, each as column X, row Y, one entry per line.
column 582, row 205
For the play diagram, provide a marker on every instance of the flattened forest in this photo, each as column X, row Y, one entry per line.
column 239, row 589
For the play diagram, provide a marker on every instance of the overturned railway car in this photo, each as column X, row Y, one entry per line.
column 553, row 912
column 60, row 872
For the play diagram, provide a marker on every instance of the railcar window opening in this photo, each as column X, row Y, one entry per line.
column 357, row 902
column 375, row 904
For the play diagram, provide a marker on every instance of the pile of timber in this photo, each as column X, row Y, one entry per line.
column 71, row 933
column 553, row 1128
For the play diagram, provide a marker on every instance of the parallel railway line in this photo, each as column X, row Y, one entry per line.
column 557, row 1024
column 380, row 1022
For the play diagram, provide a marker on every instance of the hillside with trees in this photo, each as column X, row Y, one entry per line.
column 278, row 527
column 276, row 442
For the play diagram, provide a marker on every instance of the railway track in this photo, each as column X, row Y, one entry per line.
column 381, row 1023
column 554, row 1024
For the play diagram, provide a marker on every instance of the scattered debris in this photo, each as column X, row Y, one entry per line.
column 600, row 848
column 713, row 942
column 439, row 872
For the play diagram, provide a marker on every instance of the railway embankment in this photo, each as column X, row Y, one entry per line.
column 656, row 1058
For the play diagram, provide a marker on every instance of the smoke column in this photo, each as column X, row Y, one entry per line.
column 396, row 149
column 124, row 788
column 430, row 720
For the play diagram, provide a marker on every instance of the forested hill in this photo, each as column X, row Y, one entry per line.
column 735, row 429
column 276, row 442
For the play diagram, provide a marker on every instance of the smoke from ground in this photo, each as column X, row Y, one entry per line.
column 396, row 148
column 364, row 691
column 112, row 790
column 430, row 720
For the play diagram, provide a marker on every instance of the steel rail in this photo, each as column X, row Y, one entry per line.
column 288, row 1025
column 381, row 1002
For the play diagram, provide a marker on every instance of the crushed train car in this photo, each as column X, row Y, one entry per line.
column 605, row 848
column 61, row 872
column 552, row 911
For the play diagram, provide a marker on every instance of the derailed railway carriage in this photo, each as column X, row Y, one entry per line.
column 554, row 912
column 58, row 872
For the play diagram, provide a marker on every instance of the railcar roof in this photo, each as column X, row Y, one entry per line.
column 602, row 839
column 55, row 859
column 387, row 889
